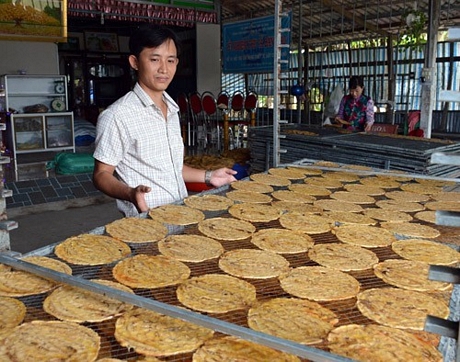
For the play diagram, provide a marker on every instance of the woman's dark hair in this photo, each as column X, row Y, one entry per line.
column 355, row 81
column 151, row 36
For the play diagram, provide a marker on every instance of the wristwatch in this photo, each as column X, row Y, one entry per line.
column 207, row 177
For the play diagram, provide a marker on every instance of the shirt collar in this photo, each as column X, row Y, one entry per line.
column 147, row 101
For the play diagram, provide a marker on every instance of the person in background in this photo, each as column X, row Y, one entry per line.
column 139, row 148
column 356, row 110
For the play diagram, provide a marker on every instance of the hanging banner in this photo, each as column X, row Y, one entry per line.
column 248, row 46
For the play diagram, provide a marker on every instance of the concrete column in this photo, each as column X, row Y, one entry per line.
column 428, row 78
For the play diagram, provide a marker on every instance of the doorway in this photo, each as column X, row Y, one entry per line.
column 95, row 83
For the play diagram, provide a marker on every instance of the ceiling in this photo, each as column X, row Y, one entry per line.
column 323, row 21
column 334, row 21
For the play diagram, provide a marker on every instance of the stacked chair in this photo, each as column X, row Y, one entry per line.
column 213, row 125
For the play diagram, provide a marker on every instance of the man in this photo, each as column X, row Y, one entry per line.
column 139, row 149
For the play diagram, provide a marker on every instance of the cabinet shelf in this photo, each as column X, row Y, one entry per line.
column 27, row 90
column 34, row 133
column 53, row 95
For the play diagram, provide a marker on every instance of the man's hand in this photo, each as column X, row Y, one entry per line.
column 222, row 176
column 138, row 197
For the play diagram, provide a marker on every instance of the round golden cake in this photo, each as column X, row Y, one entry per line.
column 353, row 197
column 407, row 196
column 46, row 341
column 428, row 216
column 367, row 236
column 248, row 196
column 91, row 249
column 252, row 186
column 50, row 263
column 229, row 348
column 282, row 241
column 150, row 271
column 216, row 293
column 399, row 205
column 319, row 284
column 329, row 183
column 208, row 202
column 136, row 230
column 344, row 217
column 253, row 263
column 443, row 205
column 74, row 304
column 287, row 195
column 310, row 189
column 290, row 173
column 176, row 215
column 154, row 334
column 221, row 228
column 300, row 207
column 18, row 283
column 307, row 171
column 276, row 316
column 411, row 229
column 422, row 188
column 446, row 196
column 341, row 175
column 427, row 251
column 387, row 215
column 306, row 223
column 254, row 212
column 338, row 205
column 380, row 343
column 400, row 308
column 365, row 189
column 408, row 274
column 269, row 179
column 12, row 313
column 384, row 183
column 344, row 257
column 190, row 248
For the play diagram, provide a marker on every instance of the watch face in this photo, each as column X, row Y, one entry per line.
column 59, row 88
column 58, row 105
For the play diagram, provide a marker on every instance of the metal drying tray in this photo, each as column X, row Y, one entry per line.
column 163, row 300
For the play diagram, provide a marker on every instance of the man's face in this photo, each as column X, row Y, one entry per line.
column 356, row 92
column 157, row 66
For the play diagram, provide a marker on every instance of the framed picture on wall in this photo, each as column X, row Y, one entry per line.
column 101, row 42
column 38, row 21
column 72, row 43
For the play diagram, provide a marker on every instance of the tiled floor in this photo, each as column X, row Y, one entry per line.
column 32, row 184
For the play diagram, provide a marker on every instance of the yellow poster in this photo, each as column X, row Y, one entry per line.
column 33, row 20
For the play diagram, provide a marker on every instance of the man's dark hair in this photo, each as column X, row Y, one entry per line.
column 355, row 81
column 151, row 36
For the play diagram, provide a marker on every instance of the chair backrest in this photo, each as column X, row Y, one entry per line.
column 182, row 102
column 208, row 102
column 250, row 102
column 195, row 103
column 237, row 103
column 223, row 100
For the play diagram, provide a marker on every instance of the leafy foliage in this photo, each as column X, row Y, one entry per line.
column 414, row 35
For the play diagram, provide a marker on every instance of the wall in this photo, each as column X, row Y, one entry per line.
column 208, row 46
column 33, row 57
